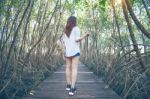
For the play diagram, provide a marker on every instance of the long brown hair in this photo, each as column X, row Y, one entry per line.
column 71, row 22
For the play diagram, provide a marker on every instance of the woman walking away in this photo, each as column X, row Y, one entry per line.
column 71, row 40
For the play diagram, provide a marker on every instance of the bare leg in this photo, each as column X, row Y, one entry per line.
column 75, row 61
column 68, row 70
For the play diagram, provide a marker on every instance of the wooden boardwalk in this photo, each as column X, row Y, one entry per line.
column 88, row 87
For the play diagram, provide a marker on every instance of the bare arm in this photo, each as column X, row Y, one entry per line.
column 82, row 37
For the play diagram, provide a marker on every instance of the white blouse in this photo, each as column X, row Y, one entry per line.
column 70, row 44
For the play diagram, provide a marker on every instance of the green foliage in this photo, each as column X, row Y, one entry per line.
column 77, row 1
column 16, row 3
column 70, row 7
column 134, row 2
column 4, row 4
column 102, row 4
column 2, row 7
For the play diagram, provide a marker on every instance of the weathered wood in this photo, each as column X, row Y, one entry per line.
column 88, row 85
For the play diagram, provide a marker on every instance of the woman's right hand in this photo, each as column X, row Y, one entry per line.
column 87, row 33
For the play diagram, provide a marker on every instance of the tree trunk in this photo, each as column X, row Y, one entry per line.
column 135, row 46
column 117, row 25
column 14, row 38
column 136, row 21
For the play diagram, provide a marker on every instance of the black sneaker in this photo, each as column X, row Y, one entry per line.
column 68, row 87
column 72, row 91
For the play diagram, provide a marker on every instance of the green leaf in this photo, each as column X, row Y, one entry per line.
column 102, row 4
column 15, row 3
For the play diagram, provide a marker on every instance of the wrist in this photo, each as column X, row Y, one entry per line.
column 85, row 35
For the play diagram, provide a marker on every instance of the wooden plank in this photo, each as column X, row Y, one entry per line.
column 88, row 85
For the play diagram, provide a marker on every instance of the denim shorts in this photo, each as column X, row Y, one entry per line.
column 77, row 54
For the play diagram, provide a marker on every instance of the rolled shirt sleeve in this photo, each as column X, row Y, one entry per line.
column 77, row 33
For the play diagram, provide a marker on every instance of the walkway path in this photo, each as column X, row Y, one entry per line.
column 88, row 87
